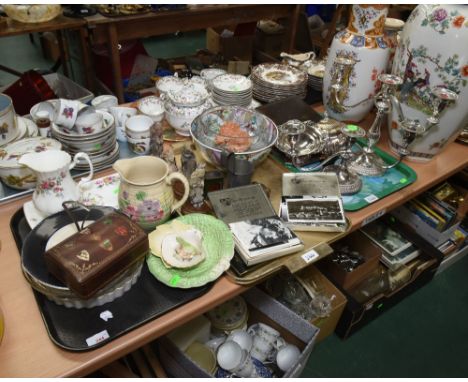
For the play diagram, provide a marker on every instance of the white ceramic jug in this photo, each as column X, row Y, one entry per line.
column 54, row 182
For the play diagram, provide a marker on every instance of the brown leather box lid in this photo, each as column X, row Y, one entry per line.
column 93, row 257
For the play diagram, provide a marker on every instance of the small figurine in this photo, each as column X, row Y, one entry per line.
column 156, row 139
column 197, row 184
column 169, row 157
column 188, row 162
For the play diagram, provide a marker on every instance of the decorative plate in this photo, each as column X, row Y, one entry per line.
column 218, row 247
column 10, row 154
column 232, row 83
column 229, row 314
column 279, row 74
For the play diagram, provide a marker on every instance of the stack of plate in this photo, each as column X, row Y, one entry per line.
column 230, row 315
column 272, row 82
column 102, row 146
column 232, row 90
column 315, row 76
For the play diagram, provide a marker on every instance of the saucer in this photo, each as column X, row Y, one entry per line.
column 101, row 192
column 32, row 214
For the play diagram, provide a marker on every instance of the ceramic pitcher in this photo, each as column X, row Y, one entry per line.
column 145, row 192
column 54, row 182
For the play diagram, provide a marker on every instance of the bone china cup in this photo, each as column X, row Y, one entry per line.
column 67, row 112
column 89, row 123
column 8, row 128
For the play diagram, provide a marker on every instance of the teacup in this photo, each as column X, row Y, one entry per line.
column 45, row 106
column 105, row 102
column 242, row 338
column 264, row 331
column 139, row 124
column 215, row 342
column 246, row 369
column 139, row 146
column 89, row 123
column 287, row 356
column 121, row 114
column 152, row 107
column 8, row 128
column 262, row 349
column 67, row 112
column 230, row 356
column 264, row 341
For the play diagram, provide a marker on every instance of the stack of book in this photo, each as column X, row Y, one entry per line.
column 433, row 211
column 259, row 234
column 312, row 202
column 396, row 250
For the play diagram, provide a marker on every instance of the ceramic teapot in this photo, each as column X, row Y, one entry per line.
column 54, row 182
column 145, row 192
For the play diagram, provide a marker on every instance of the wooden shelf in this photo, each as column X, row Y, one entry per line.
column 27, row 351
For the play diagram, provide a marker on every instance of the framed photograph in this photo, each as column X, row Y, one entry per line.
column 315, row 210
column 389, row 240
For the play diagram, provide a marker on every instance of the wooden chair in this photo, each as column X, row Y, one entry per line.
column 307, row 41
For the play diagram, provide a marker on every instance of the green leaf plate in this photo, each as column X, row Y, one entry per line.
column 219, row 249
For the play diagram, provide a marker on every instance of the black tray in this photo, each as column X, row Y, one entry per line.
column 69, row 327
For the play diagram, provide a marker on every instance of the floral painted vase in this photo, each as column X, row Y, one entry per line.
column 364, row 42
column 433, row 52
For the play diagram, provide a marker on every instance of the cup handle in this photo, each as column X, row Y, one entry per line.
column 91, row 169
column 252, row 330
column 183, row 179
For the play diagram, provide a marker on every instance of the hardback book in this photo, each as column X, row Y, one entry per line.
column 403, row 257
column 391, row 241
column 259, row 234
column 312, row 202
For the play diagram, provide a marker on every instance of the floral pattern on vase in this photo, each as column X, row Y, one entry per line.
column 432, row 53
column 365, row 42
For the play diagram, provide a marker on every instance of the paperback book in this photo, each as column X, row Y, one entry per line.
column 259, row 234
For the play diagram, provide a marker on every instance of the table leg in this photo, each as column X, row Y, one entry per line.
column 63, row 53
column 115, row 61
column 293, row 20
column 88, row 71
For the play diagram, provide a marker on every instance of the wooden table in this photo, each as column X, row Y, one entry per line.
column 111, row 30
column 27, row 351
column 58, row 24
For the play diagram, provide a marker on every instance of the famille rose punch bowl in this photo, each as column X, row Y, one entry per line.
column 232, row 129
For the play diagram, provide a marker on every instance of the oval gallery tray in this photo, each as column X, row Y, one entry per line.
column 86, row 329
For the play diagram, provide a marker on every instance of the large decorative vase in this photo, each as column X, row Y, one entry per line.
column 433, row 52
column 364, row 42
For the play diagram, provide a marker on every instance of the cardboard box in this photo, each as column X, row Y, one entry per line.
column 356, row 315
column 359, row 242
column 262, row 308
column 232, row 48
column 328, row 324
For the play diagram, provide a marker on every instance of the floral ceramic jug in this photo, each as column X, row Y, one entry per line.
column 364, row 42
column 433, row 52
column 54, row 182
column 145, row 192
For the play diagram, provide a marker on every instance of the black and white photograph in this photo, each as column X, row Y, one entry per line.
column 315, row 210
column 385, row 237
column 261, row 233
